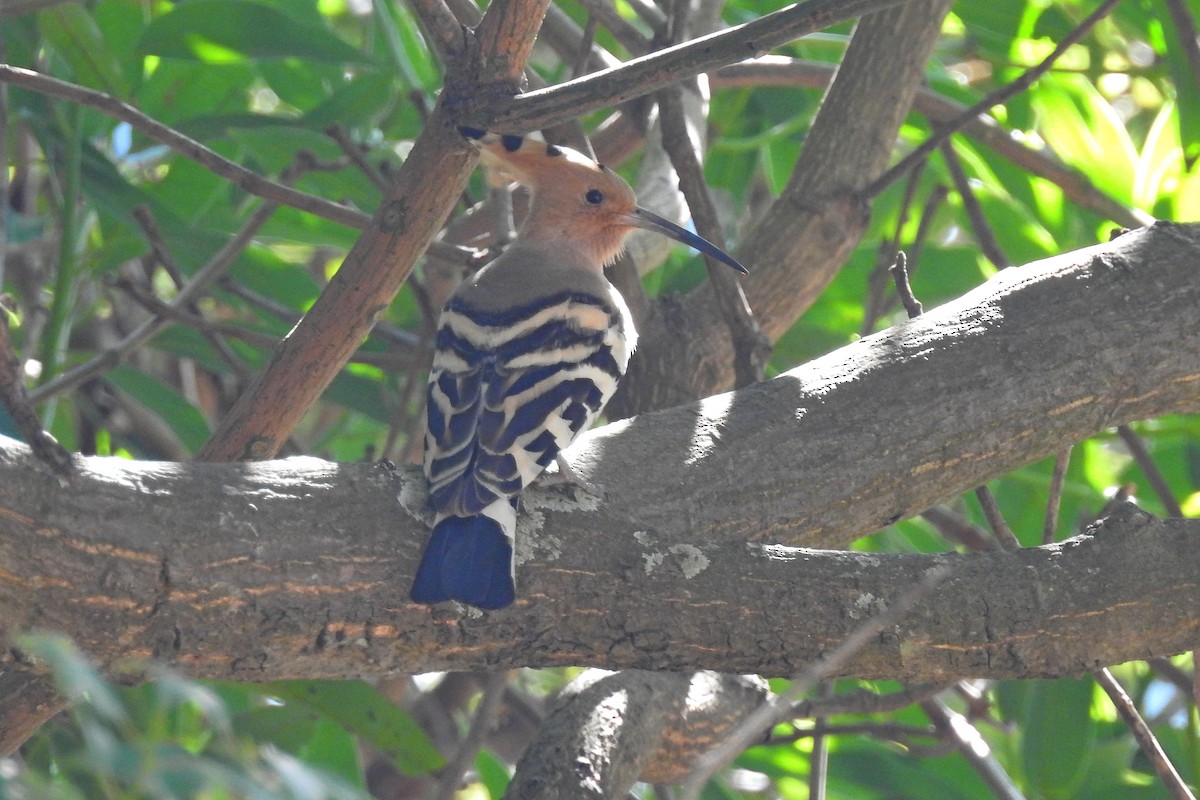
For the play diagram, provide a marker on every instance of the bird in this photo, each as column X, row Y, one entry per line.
column 528, row 351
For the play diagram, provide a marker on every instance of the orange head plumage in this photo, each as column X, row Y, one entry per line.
column 575, row 200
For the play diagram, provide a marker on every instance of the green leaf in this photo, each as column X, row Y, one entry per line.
column 358, row 101
column 1058, row 736
column 183, row 418
column 358, row 707
column 74, row 676
column 1184, row 79
column 227, row 31
column 493, row 774
column 1087, row 132
column 78, row 41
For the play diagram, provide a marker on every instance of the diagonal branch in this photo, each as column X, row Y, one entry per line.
column 427, row 187
column 939, row 109
column 235, row 173
column 649, row 73
column 799, row 245
column 998, row 97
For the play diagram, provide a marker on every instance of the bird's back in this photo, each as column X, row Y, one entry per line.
column 528, row 352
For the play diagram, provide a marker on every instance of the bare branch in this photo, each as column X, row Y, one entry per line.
column 780, row 71
column 1001, row 95
column 195, row 288
column 219, row 165
column 649, row 73
column 1145, row 737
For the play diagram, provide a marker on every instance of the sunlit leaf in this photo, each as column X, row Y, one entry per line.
column 221, row 31
column 1086, row 132
column 361, row 709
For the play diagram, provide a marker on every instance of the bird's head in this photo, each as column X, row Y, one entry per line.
column 576, row 200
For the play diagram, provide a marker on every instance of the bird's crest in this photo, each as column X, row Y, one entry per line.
column 528, row 160
column 575, row 199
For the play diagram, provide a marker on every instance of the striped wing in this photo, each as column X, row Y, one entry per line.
column 509, row 390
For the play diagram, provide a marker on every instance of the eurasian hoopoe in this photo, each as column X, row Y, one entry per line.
column 529, row 349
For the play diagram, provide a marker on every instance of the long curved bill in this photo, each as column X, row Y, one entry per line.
column 648, row 220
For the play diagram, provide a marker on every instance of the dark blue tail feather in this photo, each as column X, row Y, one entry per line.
column 468, row 559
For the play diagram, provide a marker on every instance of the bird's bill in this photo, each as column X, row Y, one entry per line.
column 648, row 220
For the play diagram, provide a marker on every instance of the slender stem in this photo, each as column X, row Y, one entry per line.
column 780, row 706
column 997, row 97
column 641, row 76
column 1141, row 455
column 485, row 718
column 1145, row 737
column 66, row 277
column 1054, row 498
column 200, row 282
column 984, row 235
column 189, row 148
column 966, row 738
column 991, row 510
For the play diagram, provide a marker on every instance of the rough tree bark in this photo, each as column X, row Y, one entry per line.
column 300, row 568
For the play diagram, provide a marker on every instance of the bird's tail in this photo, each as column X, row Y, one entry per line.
column 469, row 559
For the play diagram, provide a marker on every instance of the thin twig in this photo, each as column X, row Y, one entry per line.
column 446, row 32
column 1054, row 497
column 958, row 528
column 650, row 14
column 865, row 701
column 751, row 346
column 1167, row 672
column 1141, row 455
column 886, row 257
column 1146, row 739
column 355, row 154
column 193, row 318
column 162, row 255
column 985, row 237
column 929, row 210
column 389, row 333
column 780, row 707
column 965, row 737
column 649, row 73
column 623, row 31
column 485, row 718
column 1001, row 95
column 818, row 759
column 200, row 282
column 153, row 129
column 995, row 518
column 891, row 731
column 939, row 109
column 588, row 39
column 899, row 271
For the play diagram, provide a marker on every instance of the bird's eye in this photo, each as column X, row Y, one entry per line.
column 594, row 196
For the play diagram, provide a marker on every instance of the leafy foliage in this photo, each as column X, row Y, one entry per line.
column 266, row 84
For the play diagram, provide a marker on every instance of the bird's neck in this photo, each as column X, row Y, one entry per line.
column 593, row 249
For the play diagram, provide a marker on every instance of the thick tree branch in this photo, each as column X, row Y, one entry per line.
column 300, row 568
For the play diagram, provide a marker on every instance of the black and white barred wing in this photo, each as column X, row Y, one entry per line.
column 509, row 390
